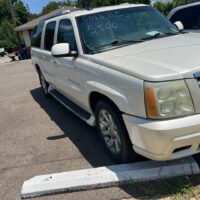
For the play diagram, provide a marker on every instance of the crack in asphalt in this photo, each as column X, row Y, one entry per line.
column 39, row 163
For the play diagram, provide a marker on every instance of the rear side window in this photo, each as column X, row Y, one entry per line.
column 66, row 34
column 49, row 35
column 190, row 17
column 36, row 35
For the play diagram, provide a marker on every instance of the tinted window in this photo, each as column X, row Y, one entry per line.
column 190, row 17
column 36, row 35
column 49, row 35
column 66, row 33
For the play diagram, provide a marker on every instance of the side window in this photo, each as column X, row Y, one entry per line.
column 36, row 35
column 66, row 34
column 49, row 35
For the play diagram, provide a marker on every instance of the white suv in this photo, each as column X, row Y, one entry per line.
column 130, row 72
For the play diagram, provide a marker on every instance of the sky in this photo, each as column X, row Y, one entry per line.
column 36, row 6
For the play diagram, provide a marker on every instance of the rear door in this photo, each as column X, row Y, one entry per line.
column 36, row 51
column 49, row 68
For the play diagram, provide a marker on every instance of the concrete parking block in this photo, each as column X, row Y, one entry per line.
column 107, row 176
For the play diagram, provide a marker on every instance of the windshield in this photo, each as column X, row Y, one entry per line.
column 111, row 29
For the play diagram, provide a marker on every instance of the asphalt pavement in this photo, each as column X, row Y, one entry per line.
column 39, row 136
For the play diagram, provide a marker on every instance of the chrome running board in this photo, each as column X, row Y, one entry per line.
column 77, row 110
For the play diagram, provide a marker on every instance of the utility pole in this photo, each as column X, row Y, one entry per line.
column 13, row 19
column 12, row 13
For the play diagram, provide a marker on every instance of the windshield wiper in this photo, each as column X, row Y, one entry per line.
column 127, row 41
column 118, row 42
column 170, row 33
column 159, row 35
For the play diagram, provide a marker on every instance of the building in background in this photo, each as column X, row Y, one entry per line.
column 25, row 30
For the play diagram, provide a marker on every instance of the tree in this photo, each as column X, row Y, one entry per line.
column 166, row 7
column 8, row 37
column 51, row 6
column 7, row 34
column 4, row 10
column 33, row 16
column 21, row 13
column 181, row 2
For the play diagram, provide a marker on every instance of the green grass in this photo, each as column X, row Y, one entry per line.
column 180, row 188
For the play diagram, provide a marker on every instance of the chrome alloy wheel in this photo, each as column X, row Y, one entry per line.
column 109, row 131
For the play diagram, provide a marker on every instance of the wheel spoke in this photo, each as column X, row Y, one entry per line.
column 103, row 122
column 112, row 142
column 117, row 145
column 111, row 121
column 106, row 133
column 118, row 138
column 106, row 117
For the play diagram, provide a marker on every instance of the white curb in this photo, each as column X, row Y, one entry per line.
column 107, row 176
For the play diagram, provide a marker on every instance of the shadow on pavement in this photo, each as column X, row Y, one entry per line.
column 90, row 146
column 82, row 135
column 57, row 137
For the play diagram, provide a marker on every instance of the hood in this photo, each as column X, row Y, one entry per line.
column 168, row 58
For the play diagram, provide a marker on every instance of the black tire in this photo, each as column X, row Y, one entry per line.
column 44, row 84
column 125, row 153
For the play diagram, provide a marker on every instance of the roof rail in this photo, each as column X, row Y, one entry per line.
column 126, row 3
column 60, row 13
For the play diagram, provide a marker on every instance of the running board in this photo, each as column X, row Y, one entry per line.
column 77, row 110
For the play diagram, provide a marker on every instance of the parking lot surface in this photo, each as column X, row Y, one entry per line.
column 39, row 136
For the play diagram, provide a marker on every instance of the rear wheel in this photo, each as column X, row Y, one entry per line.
column 113, row 132
column 44, row 84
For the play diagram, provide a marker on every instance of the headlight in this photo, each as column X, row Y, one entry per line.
column 168, row 99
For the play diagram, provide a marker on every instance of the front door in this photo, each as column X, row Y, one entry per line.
column 68, row 75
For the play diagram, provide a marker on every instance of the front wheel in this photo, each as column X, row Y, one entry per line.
column 44, row 85
column 113, row 132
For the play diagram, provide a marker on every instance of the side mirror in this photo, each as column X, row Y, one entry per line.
column 62, row 50
column 179, row 25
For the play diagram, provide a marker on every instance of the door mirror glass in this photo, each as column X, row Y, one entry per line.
column 179, row 25
column 60, row 50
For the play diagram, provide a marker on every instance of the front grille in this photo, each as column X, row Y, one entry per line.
column 197, row 77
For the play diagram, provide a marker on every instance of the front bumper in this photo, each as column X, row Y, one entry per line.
column 166, row 139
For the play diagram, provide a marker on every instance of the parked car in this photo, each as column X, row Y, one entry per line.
column 21, row 51
column 130, row 72
column 188, row 14
column 15, row 50
column 2, row 52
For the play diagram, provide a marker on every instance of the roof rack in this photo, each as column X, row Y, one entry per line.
column 126, row 3
column 60, row 13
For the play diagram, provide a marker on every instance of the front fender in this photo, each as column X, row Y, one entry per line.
column 119, row 98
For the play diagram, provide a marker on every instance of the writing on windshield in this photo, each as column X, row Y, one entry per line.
column 100, row 30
